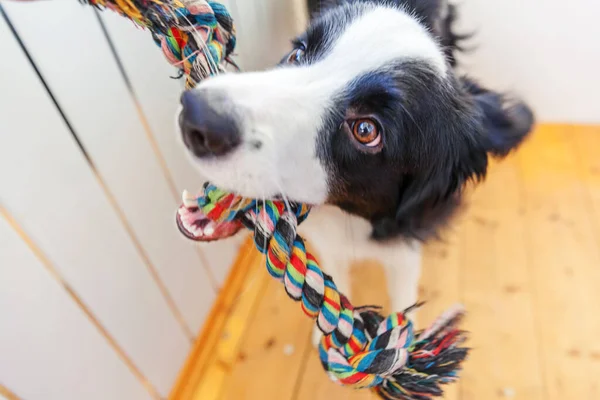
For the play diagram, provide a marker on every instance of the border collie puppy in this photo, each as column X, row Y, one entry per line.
column 365, row 117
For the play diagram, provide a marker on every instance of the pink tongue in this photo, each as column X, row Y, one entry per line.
column 194, row 224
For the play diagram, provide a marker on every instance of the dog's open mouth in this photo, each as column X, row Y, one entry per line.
column 216, row 214
column 195, row 225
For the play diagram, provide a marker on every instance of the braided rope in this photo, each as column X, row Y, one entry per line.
column 360, row 348
column 195, row 36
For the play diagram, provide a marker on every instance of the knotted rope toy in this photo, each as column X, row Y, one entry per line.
column 195, row 36
column 360, row 348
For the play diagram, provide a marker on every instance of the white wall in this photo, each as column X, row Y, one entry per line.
column 546, row 50
column 100, row 296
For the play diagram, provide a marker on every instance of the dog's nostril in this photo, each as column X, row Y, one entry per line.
column 196, row 134
column 207, row 130
column 197, row 138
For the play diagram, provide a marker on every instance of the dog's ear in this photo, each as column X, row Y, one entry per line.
column 429, row 11
column 480, row 123
column 468, row 126
column 506, row 121
column 316, row 7
column 450, row 152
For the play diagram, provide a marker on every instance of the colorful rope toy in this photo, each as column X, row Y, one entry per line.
column 360, row 348
column 196, row 36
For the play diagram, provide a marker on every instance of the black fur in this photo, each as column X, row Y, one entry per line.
column 438, row 15
column 438, row 132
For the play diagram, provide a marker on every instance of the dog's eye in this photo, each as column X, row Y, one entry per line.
column 366, row 132
column 296, row 56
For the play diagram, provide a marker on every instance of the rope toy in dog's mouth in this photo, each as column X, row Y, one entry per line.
column 196, row 36
column 360, row 348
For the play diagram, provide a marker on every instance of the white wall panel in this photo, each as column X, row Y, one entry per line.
column 150, row 75
column 158, row 94
column 279, row 23
column 92, row 93
column 47, row 185
column 266, row 29
column 50, row 351
column 546, row 50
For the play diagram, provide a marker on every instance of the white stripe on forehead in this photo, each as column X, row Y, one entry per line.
column 379, row 37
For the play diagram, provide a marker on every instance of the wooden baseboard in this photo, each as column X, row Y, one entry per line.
column 212, row 329
column 6, row 393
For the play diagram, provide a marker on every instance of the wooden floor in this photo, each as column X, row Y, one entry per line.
column 524, row 259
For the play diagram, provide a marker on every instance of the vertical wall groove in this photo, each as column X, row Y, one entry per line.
column 150, row 136
column 11, row 27
column 51, row 269
column 108, row 193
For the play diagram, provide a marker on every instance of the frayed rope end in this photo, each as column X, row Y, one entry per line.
column 360, row 348
column 396, row 362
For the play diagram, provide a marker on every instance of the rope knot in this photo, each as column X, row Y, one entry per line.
column 196, row 36
column 360, row 348
column 382, row 357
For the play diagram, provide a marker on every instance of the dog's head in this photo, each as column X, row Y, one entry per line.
column 365, row 112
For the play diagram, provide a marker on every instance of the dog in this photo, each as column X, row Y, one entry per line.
column 367, row 118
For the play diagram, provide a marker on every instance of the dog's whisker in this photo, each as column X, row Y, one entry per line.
column 418, row 126
column 286, row 200
column 275, row 178
column 255, row 275
column 255, row 218
column 239, row 207
column 264, row 222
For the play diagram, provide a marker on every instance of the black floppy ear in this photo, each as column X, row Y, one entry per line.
column 430, row 195
column 472, row 123
column 506, row 121
column 316, row 7
column 428, row 10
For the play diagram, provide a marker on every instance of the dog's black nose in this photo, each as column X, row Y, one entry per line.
column 206, row 131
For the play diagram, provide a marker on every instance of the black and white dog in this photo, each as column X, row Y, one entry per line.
column 366, row 117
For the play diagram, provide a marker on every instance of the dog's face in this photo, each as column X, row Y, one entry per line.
column 364, row 113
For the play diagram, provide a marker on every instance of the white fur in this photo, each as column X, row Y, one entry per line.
column 284, row 108
column 340, row 239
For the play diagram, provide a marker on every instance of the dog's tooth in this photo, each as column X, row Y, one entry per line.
column 209, row 229
column 199, row 232
column 188, row 199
